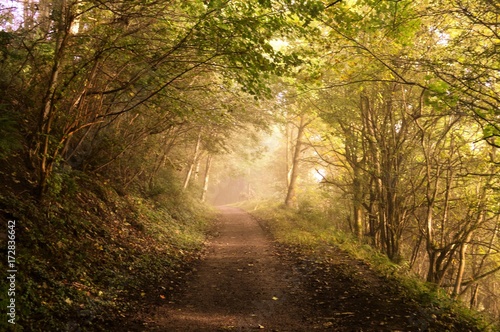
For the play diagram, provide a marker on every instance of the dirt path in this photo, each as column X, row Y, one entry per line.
column 241, row 285
column 245, row 283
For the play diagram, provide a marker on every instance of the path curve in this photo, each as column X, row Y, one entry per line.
column 240, row 285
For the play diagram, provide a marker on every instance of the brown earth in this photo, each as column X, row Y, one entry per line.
column 246, row 283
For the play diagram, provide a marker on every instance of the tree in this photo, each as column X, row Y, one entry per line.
column 409, row 153
column 290, row 199
column 103, row 61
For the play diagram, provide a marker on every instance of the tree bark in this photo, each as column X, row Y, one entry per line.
column 193, row 162
column 461, row 266
column 206, row 178
column 290, row 199
column 42, row 147
column 357, row 205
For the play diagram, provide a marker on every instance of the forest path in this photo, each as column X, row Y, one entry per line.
column 241, row 285
column 246, row 283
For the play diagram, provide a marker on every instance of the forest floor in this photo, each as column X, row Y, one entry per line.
column 246, row 282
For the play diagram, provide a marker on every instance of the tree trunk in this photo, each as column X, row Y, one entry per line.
column 358, row 206
column 206, row 178
column 461, row 266
column 291, row 195
column 473, row 296
column 193, row 162
column 43, row 148
column 288, row 169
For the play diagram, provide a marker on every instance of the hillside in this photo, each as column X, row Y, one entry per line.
column 89, row 257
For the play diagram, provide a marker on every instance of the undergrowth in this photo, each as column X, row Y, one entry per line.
column 86, row 256
column 311, row 231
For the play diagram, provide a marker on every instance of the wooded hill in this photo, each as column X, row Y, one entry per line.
column 392, row 106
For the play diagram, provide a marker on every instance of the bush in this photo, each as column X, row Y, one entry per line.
column 10, row 138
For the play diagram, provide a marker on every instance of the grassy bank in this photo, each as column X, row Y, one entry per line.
column 311, row 234
column 87, row 256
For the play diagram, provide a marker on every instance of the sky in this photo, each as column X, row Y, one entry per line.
column 13, row 10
